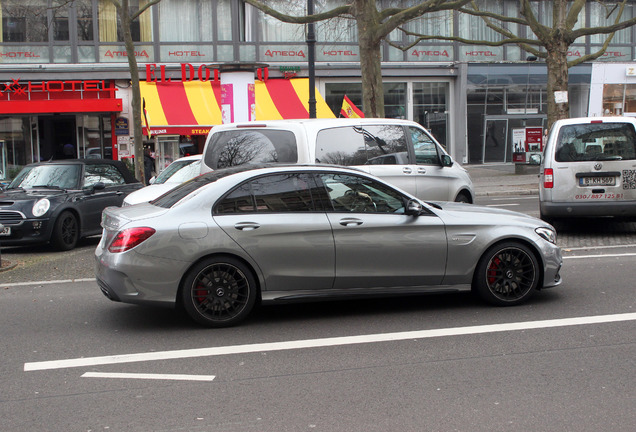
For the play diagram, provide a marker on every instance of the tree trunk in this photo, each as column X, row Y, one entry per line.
column 136, row 93
column 558, row 75
column 370, row 59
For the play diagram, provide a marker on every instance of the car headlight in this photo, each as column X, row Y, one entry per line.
column 41, row 207
column 547, row 233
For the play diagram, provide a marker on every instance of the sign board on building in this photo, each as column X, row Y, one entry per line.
column 122, row 126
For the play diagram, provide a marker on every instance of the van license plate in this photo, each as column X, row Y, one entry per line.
column 597, row 181
column 6, row 231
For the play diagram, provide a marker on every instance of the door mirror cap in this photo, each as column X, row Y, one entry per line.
column 447, row 161
column 414, row 208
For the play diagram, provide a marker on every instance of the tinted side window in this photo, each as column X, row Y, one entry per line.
column 278, row 193
column 357, row 145
column 107, row 174
column 250, row 146
column 426, row 151
column 238, row 201
column 349, row 193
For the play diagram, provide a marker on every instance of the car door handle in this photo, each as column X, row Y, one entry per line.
column 407, row 170
column 350, row 222
column 421, row 170
column 246, row 226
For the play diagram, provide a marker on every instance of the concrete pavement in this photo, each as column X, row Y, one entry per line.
column 502, row 179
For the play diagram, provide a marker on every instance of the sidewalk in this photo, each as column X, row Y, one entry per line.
column 500, row 179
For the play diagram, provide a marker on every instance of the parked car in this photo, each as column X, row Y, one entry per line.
column 401, row 152
column 588, row 169
column 221, row 242
column 61, row 201
column 177, row 172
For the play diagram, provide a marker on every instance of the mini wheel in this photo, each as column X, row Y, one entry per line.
column 219, row 292
column 507, row 274
column 65, row 232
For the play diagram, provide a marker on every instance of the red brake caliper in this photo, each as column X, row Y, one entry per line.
column 492, row 270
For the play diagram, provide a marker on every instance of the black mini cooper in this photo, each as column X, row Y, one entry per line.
column 61, row 201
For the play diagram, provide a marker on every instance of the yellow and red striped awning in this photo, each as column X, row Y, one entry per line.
column 193, row 107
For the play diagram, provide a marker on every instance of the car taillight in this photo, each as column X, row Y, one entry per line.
column 129, row 238
column 548, row 178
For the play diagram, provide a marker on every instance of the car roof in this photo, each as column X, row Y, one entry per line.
column 606, row 119
column 314, row 123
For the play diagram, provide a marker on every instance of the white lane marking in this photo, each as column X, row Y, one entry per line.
column 175, row 377
column 502, row 205
column 599, row 256
column 599, row 247
column 325, row 342
column 60, row 281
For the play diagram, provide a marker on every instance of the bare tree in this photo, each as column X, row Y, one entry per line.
column 374, row 25
column 552, row 43
column 127, row 19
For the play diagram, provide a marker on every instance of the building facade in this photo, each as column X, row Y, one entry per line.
column 64, row 76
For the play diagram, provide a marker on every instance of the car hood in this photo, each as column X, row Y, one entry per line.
column 475, row 214
column 148, row 193
column 30, row 194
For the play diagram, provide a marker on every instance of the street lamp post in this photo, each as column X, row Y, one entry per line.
column 311, row 51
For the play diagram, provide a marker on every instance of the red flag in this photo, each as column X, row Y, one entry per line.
column 349, row 110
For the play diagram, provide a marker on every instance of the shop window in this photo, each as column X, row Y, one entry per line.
column 23, row 21
column 430, row 108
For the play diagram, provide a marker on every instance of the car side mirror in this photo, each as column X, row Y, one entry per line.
column 414, row 208
column 535, row 159
column 96, row 187
column 447, row 161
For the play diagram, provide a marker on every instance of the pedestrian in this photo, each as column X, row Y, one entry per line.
column 149, row 165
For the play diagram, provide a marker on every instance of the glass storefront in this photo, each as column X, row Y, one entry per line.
column 28, row 139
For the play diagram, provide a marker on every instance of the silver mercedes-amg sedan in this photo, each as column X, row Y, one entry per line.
column 222, row 242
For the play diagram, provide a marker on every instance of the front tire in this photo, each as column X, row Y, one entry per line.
column 463, row 197
column 507, row 274
column 219, row 292
column 65, row 232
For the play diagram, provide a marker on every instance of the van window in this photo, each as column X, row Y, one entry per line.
column 250, row 146
column 357, row 145
column 426, row 152
column 596, row 141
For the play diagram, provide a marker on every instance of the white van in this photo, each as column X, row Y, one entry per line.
column 399, row 151
column 588, row 169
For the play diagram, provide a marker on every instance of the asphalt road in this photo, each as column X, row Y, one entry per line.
column 74, row 361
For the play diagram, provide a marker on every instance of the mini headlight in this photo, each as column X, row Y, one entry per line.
column 41, row 207
column 547, row 233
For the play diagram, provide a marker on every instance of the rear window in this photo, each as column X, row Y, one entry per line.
column 596, row 141
column 251, row 146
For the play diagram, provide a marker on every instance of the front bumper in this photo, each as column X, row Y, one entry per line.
column 27, row 232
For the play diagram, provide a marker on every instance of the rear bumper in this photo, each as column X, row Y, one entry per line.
column 620, row 209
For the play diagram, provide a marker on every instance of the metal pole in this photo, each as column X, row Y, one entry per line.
column 311, row 52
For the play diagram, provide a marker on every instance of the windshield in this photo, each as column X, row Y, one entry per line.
column 596, row 141
column 54, row 175
column 179, row 171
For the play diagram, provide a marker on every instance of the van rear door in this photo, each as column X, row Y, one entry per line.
column 595, row 162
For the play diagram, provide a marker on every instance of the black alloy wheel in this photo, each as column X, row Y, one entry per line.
column 219, row 292
column 65, row 232
column 507, row 274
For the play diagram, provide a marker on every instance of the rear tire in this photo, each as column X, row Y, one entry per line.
column 507, row 274
column 65, row 232
column 219, row 292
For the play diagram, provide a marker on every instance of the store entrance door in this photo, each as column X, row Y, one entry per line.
column 57, row 136
column 495, row 145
